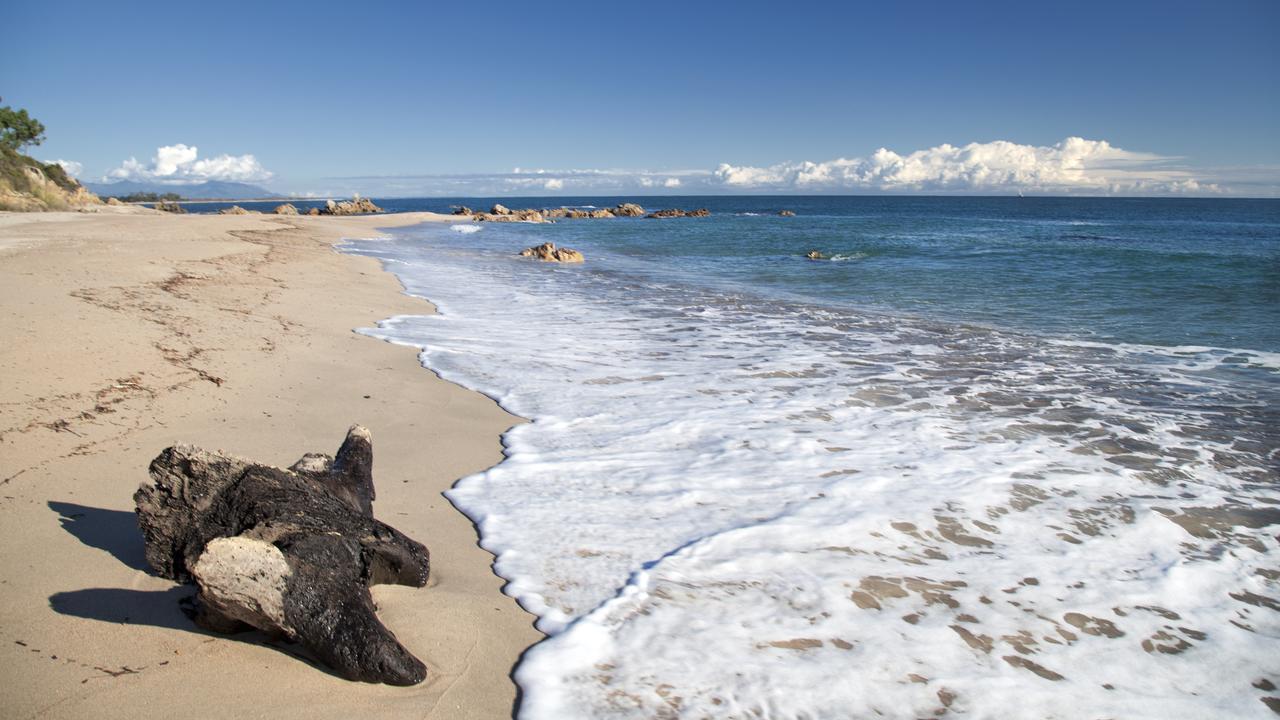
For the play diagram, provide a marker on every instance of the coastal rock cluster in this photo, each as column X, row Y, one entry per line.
column 501, row 213
column 548, row 252
column 355, row 206
column 289, row 552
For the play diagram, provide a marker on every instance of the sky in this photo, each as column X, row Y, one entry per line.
column 483, row 99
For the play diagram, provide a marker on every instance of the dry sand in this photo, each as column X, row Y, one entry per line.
column 128, row 331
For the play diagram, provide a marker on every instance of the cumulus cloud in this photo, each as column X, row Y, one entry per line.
column 181, row 164
column 71, row 167
column 1073, row 165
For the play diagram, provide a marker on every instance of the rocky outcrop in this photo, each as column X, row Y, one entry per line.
column 529, row 216
column 629, row 210
column 285, row 209
column 463, row 210
column 355, row 206
column 602, row 213
column 170, row 206
column 289, row 552
column 786, row 213
column 550, row 253
column 237, row 210
column 499, row 209
column 678, row 213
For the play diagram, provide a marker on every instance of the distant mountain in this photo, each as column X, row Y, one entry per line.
column 211, row 190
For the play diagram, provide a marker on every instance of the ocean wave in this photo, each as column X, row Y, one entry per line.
column 465, row 228
column 820, row 513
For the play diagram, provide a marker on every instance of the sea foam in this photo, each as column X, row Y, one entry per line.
column 729, row 507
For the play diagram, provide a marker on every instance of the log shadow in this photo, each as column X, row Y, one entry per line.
column 170, row 609
column 115, row 531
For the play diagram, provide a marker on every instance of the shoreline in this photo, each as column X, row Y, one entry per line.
column 137, row 330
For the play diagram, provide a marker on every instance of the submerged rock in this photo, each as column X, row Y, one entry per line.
column 786, row 213
column 815, row 255
column 550, row 253
column 289, row 552
column 678, row 213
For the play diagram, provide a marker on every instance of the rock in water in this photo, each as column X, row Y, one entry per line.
column 786, row 213
column 355, row 206
column 290, row 552
column 629, row 210
column 550, row 253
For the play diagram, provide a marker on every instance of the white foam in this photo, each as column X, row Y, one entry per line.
column 465, row 228
column 728, row 509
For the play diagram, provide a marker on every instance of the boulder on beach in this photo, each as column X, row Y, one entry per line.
column 236, row 210
column 499, row 209
column 313, row 211
column 629, row 210
column 289, row 552
column 286, row 209
column 550, row 253
column 170, row 206
column 786, row 213
column 462, row 210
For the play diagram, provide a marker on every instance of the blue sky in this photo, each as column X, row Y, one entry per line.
column 440, row 99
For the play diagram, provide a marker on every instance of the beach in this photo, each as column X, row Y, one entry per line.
column 127, row 332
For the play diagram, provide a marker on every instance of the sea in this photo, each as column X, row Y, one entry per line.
column 991, row 457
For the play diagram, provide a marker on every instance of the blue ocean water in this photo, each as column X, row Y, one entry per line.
column 1153, row 270
column 1011, row 457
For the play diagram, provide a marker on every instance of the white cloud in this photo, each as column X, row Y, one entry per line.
column 1073, row 165
column 180, row 164
column 71, row 167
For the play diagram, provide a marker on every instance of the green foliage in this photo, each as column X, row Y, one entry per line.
column 18, row 129
column 59, row 177
column 147, row 197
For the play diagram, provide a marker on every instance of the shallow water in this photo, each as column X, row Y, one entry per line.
column 754, row 486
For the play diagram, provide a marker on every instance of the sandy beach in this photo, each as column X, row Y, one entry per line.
column 126, row 332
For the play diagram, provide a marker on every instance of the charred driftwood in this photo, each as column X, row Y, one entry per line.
column 289, row 552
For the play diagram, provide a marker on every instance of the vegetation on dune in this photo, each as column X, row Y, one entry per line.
column 27, row 184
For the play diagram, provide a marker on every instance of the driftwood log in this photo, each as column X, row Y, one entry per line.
column 289, row 552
